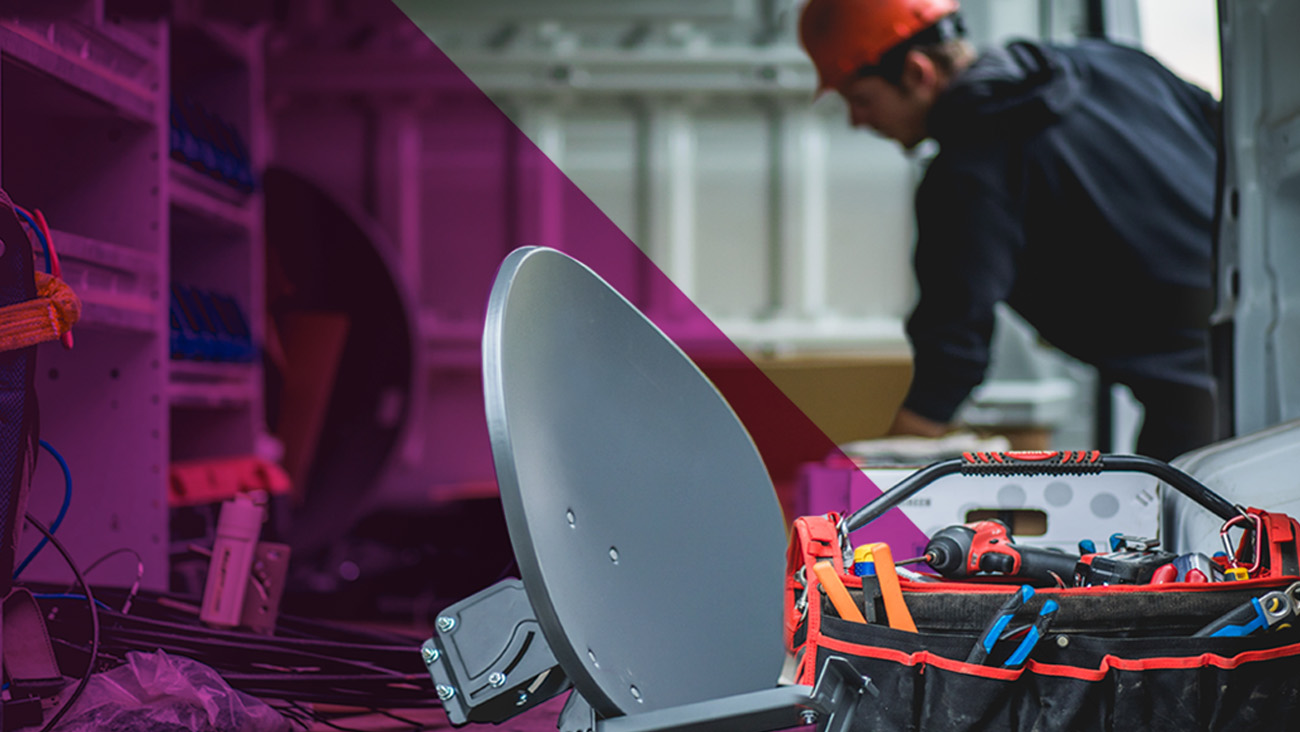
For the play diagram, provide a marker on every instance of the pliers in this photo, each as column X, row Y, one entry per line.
column 1270, row 611
column 996, row 631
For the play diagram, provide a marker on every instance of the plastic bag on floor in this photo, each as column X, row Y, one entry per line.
column 157, row 692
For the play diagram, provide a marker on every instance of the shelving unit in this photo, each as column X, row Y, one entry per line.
column 84, row 137
column 216, row 241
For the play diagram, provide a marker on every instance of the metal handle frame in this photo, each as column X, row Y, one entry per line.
column 1048, row 463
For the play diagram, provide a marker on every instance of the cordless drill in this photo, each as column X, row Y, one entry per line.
column 985, row 546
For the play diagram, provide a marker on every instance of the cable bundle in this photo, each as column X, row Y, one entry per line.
column 307, row 661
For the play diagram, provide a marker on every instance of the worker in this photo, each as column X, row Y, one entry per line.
column 1074, row 183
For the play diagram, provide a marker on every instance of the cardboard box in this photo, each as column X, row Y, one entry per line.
column 849, row 396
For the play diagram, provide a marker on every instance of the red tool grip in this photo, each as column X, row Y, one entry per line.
column 1053, row 462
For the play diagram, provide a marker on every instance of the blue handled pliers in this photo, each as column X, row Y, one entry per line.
column 996, row 630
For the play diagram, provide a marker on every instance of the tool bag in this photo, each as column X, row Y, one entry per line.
column 1115, row 657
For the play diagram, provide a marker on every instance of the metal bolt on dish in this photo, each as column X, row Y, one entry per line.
column 445, row 692
column 445, row 624
column 430, row 655
column 496, row 680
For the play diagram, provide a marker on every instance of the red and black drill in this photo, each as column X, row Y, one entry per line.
column 985, row 546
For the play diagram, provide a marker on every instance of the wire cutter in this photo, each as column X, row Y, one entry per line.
column 996, row 631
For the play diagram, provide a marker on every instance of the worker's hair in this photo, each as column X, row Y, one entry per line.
column 949, row 57
column 942, row 42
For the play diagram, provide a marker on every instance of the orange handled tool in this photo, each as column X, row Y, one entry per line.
column 836, row 591
column 890, row 591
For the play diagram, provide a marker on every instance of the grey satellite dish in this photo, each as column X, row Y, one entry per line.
column 647, row 532
column 643, row 519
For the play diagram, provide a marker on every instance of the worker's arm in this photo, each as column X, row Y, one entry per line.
column 907, row 422
column 970, row 213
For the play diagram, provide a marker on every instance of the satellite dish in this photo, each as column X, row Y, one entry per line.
column 645, row 525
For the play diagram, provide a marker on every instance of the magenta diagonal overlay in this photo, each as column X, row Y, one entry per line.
column 493, row 190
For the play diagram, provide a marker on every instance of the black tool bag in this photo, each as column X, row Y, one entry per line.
column 1115, row 657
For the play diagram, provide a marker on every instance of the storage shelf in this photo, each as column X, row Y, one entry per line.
column 116, row 314
column 118, row 286
column 210, row 199
column 204, row 384
column 125, row 80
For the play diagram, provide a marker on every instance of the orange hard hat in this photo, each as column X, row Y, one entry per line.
column 842, row 36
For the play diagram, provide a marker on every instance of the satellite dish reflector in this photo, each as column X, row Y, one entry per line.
column 649, row 538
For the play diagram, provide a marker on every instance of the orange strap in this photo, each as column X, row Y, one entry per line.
column 45, row 318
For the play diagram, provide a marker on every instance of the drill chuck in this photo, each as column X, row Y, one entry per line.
column 946, row 553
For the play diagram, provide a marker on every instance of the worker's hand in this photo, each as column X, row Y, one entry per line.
column 907, row 422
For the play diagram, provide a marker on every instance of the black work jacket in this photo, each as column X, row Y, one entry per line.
column 1076, row 184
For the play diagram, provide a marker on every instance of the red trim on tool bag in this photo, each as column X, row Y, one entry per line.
column 1205, row 659
column 996, row 584
column 815, row 538
column 1148, row 664
column 921, row 658
column 1108, row 662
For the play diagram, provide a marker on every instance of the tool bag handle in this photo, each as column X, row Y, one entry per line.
column 1058, row 462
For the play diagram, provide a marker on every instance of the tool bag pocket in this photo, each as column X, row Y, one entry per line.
column 1074, row 681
